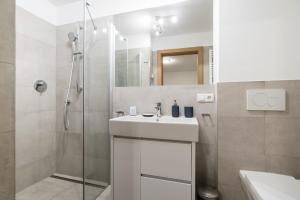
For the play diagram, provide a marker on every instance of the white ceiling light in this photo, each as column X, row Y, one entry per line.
column 122, row 38
column 174, row 19
column 95, row 31
column 161, row 21
column 104, row 30
column 168, row 60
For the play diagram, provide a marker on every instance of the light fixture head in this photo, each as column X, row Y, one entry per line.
column 174, row 19
column 122, row 38
column 155, row 26
column 95, row 31
column 116, row 32
column 160, row 21
column 104, row 30
column 168, row 60
column 157, row 33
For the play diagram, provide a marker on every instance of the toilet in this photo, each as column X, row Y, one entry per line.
column 269, row 186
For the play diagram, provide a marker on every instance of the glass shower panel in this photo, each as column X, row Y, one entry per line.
column 96, row 107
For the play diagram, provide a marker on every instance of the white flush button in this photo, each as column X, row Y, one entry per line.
column 266, row 99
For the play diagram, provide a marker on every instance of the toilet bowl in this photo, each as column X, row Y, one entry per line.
column 269, row 186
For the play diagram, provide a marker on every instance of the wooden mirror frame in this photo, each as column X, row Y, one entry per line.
column 178, row 52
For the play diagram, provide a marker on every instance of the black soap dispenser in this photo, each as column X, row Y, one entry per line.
column 175, row 109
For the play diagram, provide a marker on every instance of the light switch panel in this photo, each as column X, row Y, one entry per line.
column 205, row 98
column 266, row 99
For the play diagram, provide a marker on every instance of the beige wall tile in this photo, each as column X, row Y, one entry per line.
column 7, row 166
column 232, row 99
column 206, row 162
column 7, row 102
column 293, row 98
column 36, row 113
column 7, row 31
column 230, row 163
column 266, row 141
column 207, row 129
column 284, row 165
column 241, row 134
column 232, row 193
column 283, row 136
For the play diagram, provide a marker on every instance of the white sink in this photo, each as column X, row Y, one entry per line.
column 167, row 128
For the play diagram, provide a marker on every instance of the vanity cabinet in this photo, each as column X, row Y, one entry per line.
column 153, row 159
column 146, row 169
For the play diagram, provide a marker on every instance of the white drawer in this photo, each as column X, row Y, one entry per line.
column 156, row 189
column 166, row 159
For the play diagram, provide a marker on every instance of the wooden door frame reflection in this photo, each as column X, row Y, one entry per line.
column 179, row 52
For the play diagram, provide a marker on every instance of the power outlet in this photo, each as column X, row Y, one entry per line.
column 205, row 98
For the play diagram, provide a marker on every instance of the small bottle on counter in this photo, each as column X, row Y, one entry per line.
column 175, row 109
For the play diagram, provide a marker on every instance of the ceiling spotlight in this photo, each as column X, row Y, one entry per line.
column 168, row 60
column 155, row 26
column 174, row 19
column 157, row 33
column 104, row 30
column 116, row 32
column 160, row 21
column 122, row 38
column 95, row 31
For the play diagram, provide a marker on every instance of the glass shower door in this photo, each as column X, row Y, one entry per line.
column 96, row 106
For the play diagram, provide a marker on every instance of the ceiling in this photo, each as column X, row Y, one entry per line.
column 181, row 63
column 193, row 16
column 61, row 2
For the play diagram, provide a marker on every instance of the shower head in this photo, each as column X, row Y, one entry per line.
column 72, row 37
column 74, row 40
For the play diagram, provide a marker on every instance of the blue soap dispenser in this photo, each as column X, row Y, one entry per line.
column 175, row 109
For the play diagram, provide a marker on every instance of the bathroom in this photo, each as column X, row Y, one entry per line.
column 144, row 100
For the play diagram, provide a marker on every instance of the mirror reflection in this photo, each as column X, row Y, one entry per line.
column 169, row 45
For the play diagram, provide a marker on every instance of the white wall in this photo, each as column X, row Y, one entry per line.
column 258, row 40
column 134, row 42
column 100, row 8
column 180, row 78
column 139, row 41
column 73, row 12
column 183, row 41
column 40, row 8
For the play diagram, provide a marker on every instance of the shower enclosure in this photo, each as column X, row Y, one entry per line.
column 74, row 153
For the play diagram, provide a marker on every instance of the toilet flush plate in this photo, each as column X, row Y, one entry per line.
column 266, row 99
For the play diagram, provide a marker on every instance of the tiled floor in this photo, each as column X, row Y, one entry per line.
column 106, row 194
column 56, row 189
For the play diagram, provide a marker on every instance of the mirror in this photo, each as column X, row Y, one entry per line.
column 169, row 45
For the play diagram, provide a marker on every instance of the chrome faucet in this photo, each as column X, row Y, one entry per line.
column 158, row 110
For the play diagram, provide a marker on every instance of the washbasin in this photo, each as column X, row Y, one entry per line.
column 166, row 128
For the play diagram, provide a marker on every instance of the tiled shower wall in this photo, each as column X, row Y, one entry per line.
column 256, row 140
column 146, row 97
column 7, row 99
column 35, row 113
